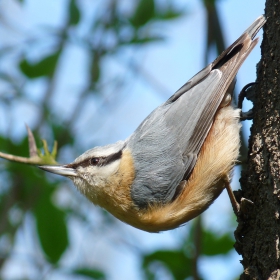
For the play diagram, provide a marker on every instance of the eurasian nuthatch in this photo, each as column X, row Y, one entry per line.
column 179, row 159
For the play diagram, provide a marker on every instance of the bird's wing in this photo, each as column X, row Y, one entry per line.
column 196, row 103
column 166, row 145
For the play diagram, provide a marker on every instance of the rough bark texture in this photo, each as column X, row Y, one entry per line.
column 258, row 232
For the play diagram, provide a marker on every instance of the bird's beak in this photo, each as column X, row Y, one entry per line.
column 60, row 170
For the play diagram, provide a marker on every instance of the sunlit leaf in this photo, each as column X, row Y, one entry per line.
column 45, row 67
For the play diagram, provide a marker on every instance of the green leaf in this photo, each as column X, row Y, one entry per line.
column 45, row 67
column 215, row 245
column 137, row 40
column 144, row 12
column 32, row 191
column 62, row 134
column 175, row 261
column 51, row 228
column 90, row 273
column 74, row 13
column 169, row 14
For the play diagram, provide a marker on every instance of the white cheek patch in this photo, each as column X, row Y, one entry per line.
column 107, row 170
column 97, row 175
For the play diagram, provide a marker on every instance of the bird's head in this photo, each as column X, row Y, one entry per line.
column 94, row 170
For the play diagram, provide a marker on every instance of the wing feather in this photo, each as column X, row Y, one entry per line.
column 166, row 145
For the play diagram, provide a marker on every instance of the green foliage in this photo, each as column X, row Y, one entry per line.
column 213, row 244
column 34, row 192
column 90, row 273
column 47, row 157
column 44, row 67
column 26, row 188
column 137, row 40
column 169, row 14
column 182, row 262
column 51, row 228
column 74, row 13
column 20, row 147
column 176, row 262
column 144, row 13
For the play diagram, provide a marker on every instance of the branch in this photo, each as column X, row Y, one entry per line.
column 36, row 157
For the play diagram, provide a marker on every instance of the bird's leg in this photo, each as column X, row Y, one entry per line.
column 243, row 206
column 248, row 91
column 234, row 203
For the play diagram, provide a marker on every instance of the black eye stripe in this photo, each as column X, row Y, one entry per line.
column 111, row 158
column 102, row 161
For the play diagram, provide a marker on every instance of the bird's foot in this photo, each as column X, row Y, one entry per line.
column 248, row 91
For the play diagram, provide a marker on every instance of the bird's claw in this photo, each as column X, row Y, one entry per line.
column 248, row 91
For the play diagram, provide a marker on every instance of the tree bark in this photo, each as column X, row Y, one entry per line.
column 258, row 231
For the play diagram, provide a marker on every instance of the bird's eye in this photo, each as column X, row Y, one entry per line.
column 94, row 161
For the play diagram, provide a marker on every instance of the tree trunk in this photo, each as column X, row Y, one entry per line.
column 258, row 231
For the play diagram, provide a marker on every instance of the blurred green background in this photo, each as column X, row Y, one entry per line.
column 86, row 73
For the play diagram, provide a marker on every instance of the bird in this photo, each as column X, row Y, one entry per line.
column 179, row 159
